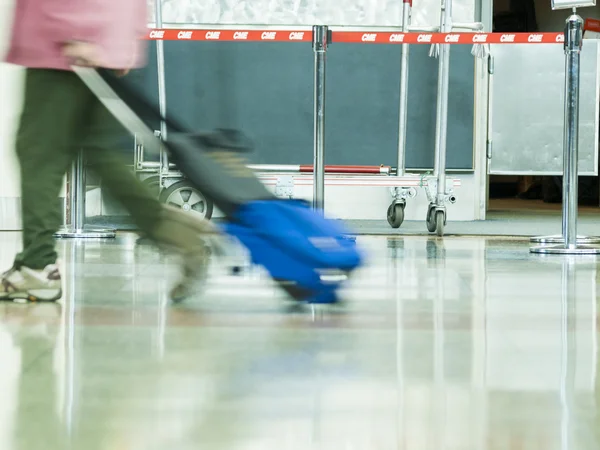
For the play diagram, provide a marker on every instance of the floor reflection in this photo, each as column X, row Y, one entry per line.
column 30, row 381
column 455, row 343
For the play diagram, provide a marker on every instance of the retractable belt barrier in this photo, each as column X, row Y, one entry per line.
column 439, row 38
column 364, row 37
column 321, row 37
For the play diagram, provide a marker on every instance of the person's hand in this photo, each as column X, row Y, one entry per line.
column 81, row 54
column 122, row 72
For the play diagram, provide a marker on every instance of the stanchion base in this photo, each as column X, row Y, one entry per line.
column 85, row 233
column 562, row 250
column 558, row 239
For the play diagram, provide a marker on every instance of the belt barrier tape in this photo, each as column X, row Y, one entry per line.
column 358, row 37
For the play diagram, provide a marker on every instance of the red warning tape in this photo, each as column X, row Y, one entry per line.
column 356, row 37
column 448, row 38
column 230, row 35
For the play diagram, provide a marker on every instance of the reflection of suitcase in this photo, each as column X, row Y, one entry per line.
column 305, row 253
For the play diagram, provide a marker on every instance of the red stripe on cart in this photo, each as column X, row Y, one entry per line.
column 347, row 169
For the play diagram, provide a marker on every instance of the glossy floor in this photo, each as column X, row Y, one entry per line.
column 442, row 344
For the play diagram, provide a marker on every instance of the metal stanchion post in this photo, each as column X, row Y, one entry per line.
column 162, row 90
column 77, row 228
column 439, row 169
column 320, row 43
column 569, row 242
column 437, row 193
column 403, row 113
column 395, row 213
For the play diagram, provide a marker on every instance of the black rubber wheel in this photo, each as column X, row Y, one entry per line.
column 185, row 196
column 395, row 215
column 431, row 222
column 440, row 221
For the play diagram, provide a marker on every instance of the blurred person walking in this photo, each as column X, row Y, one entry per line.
column 61, row 117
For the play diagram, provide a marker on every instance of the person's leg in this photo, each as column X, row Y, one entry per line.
column 52, row 111
column 171, row 229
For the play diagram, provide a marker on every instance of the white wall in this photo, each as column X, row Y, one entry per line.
column 10, row 93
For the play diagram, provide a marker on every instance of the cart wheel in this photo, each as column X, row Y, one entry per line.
column 431, row 221
column 153, row 184
column 440, row 221
column 395, row 215
column 185, row 196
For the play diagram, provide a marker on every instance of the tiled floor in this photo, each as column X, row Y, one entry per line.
column 442, row 344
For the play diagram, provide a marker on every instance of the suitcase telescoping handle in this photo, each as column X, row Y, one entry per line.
column 126, row 104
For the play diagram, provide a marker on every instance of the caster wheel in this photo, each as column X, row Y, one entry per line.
column 440, row 221
column 153, row 184
column 395, row 215
column 431, row 221
column 185, row 196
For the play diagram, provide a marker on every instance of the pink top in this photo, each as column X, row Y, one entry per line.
column 40, row 27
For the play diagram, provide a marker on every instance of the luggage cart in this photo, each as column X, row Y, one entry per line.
column 176, row 191
column 284, row 184
column 395, row 212
column 173, row 189
column 438, row 188
column 282, row 179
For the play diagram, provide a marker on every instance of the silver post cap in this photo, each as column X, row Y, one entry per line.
column 574, row 33
column 574, row 20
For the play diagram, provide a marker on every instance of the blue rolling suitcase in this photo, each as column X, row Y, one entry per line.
column 308, row 255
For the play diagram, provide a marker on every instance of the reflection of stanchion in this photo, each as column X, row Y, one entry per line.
column 569, row 243
column 73, row 252
column 397, row 287
column 568, row 348
column 77, row 228
column 440, row 413
column 320, row 43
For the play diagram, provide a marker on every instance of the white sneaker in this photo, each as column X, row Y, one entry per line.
column 28, row 285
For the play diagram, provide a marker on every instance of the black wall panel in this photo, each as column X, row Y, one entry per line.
column 266, row 89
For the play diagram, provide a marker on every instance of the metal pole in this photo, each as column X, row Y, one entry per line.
column 573, row 45
column 403, row 113
column 320, row 42
column 77, row 192
column 439, row 169
column 162, row 88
